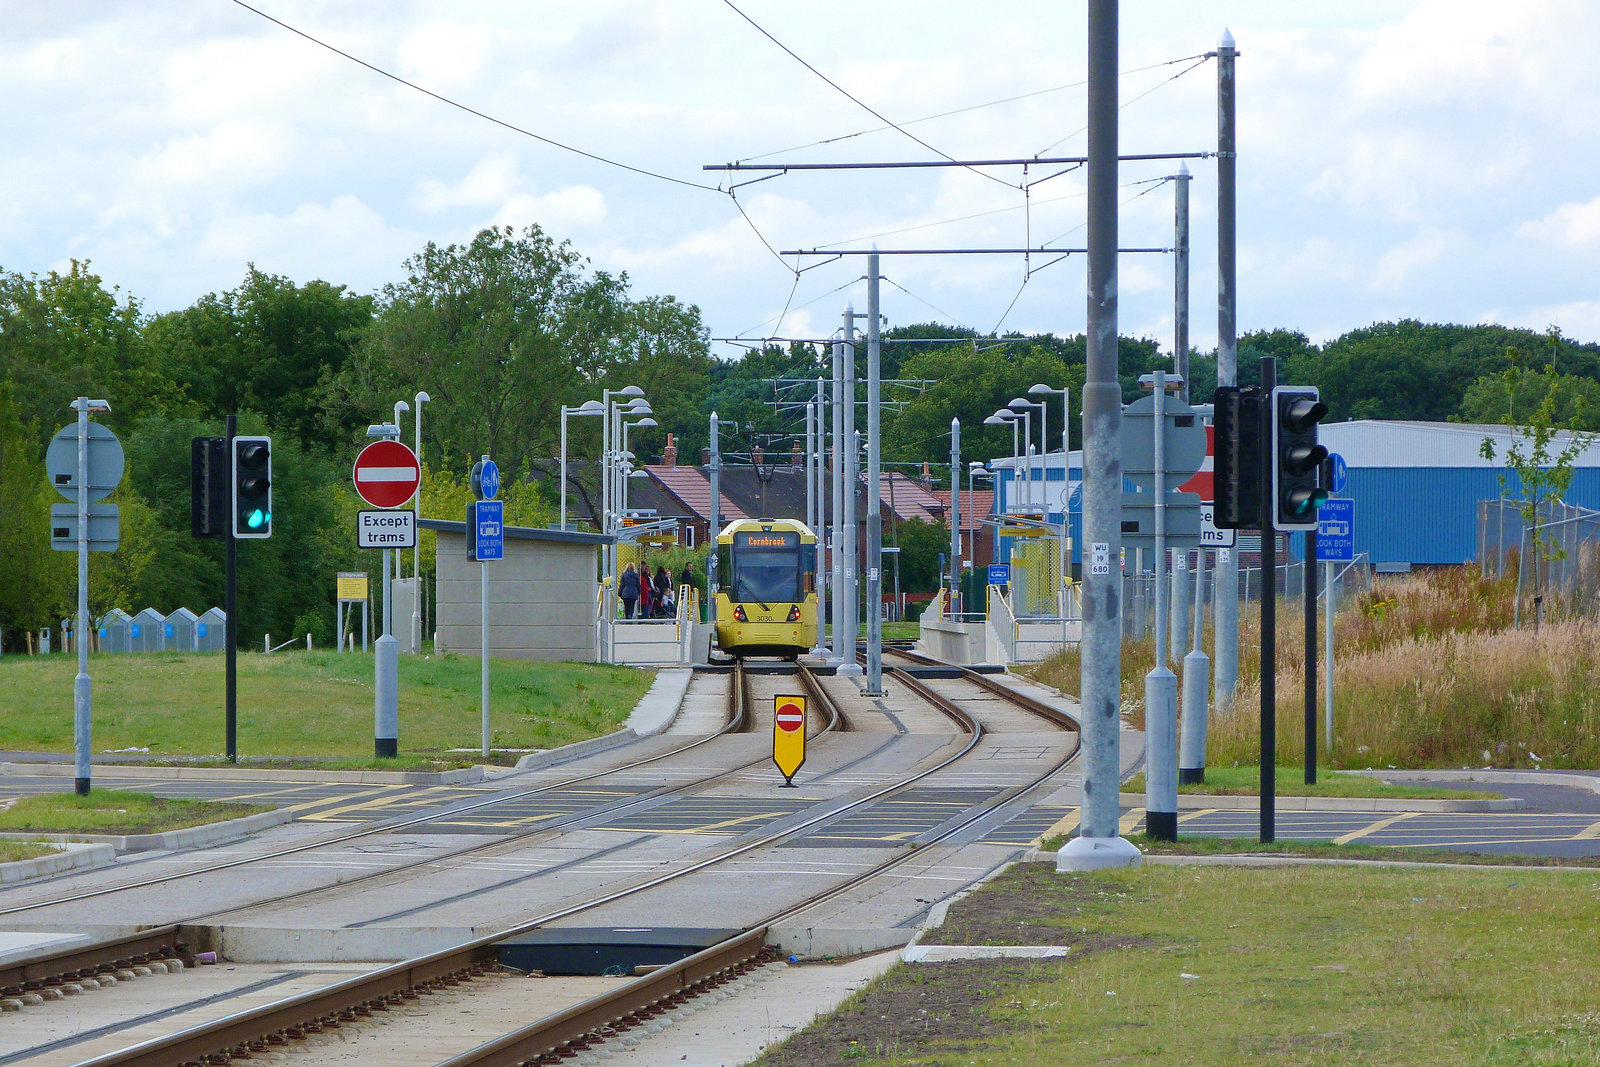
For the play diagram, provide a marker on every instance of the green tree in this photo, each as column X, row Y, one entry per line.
column 920, row 546
column 33, row 578
column 1543, row 472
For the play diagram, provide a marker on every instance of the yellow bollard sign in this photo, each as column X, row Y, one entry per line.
column 789, row 736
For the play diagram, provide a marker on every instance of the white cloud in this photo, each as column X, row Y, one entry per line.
column 1572, row 224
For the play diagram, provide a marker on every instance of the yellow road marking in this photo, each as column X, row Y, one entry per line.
column 1374, row 827
column 309, row 804
column 1588, row 833
column 1197, row 813
column 1063, row 826
column 408, row 800
column 1127, row 823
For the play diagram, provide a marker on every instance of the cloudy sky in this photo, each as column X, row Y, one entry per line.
column 1437, row 160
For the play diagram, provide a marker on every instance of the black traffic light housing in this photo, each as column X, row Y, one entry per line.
column 252, row 487
column 1236, row 459
column 1296, row 457
column 208, row 486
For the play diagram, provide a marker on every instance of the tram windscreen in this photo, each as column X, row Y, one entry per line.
column 768, row 567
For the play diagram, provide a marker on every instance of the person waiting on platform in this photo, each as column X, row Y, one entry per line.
column 628, row 590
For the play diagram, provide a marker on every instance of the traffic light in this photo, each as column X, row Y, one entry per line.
column 1236, row 462
column 208, row 487
column 1296, row 457
column 252, row 487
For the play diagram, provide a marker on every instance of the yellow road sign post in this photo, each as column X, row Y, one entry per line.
column 789, row 736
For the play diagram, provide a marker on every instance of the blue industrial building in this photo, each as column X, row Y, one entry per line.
column 1416, row 487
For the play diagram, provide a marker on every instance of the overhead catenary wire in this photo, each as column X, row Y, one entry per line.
column 851, row 97
column 1200, row 61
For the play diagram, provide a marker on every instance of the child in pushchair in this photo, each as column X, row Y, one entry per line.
column 663, row 607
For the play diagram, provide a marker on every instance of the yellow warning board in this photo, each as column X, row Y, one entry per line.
column 1025, row 531
column 789, row 735
column 352, row 585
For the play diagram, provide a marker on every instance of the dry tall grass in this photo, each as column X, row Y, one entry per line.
column 1428, row 673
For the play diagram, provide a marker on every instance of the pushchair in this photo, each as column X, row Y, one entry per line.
column 662, row 606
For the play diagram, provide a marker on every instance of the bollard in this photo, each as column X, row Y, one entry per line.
column 1196, row 681
column 266, row 644
column 308, row 642
column 1161, row 754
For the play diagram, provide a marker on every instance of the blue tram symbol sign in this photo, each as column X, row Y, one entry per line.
column 486, row 530
column 1336, row 531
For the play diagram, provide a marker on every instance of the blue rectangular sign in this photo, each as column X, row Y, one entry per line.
column 999, row 574
column 486, row 523
column 1336, row 531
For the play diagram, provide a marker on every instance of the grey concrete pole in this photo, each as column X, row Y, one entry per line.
column 386, row 679
column 850, row 599
column 1098, row 843
column 955, row 512
column 82, row 703
column 1161, row 685
column 1196, row 683
column 837, row 474
column 1180, row 279
column 416, row 553
column 1227, row 570
column 874, row 496
column 561, row 491
column 1327, row 676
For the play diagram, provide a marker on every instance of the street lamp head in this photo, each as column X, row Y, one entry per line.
column 1041, row 389
column 629, row 390
column 645, row 422
column 589, row 407
column 383, row 429
column 640, row 407
column 639, row 474
column 995, row 420
column 1021, row 404
column 401, row 405
column 421, row 398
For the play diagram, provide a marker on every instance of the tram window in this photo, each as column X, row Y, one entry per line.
column 766, row 567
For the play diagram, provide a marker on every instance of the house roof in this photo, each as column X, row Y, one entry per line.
column 974, row 505
column 909, row 499
column 690, row 487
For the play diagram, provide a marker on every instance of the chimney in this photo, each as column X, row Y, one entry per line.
column 669, row 454
column 927, row 477
column 797, row 459
column 705, row 457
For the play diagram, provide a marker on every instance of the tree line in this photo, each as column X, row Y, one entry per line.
column 503, row 330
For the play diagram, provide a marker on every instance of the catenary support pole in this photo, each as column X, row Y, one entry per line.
column 1308, row 591
column 714, row 579
column 874, row 686
column 1180, row 281
column 850, row 598
column 1227, row 570
column 82, row 690
column 1098, row 843
column 837, row 475
column 1269, row 612
column 824, row 574
column 1161, row 685
column 386, row 677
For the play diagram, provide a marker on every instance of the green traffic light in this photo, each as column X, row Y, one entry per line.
column 257, row 519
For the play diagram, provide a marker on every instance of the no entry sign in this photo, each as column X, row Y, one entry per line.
column 789, row 735
column 386, row 474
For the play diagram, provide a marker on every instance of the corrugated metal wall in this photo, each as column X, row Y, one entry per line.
column 1429, row 515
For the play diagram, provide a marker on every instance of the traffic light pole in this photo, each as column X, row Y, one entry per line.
column 230, row 624
column 1269, row 612
column 1309, row 589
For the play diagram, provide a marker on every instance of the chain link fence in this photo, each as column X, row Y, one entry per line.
column 1139, row 590
column 1564, row 539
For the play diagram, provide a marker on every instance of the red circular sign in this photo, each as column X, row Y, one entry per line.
column 790, row 718
column 386, row 474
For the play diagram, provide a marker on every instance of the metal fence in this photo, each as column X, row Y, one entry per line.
column 1139, row 599
column 1565, row 540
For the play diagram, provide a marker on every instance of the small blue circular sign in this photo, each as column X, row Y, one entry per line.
column 1340, row 472
column 485, row 479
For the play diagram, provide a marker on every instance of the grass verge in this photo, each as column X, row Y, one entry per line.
column 1232, row 846
column 12, row 851
column 311, row 703
column 1246, row 781
column 1217, row 965
column 116, row 811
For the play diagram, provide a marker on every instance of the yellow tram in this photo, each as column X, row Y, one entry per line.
column 766, row 599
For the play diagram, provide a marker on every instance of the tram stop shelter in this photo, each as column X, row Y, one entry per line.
column 542, row 595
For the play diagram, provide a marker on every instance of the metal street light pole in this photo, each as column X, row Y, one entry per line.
column 955, row 514
column 850, row 601
column 399, row 406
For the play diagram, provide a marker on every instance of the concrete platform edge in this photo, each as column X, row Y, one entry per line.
column 75, row 856
column 458, row 776
column 216, row 833
column 1292, row 803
